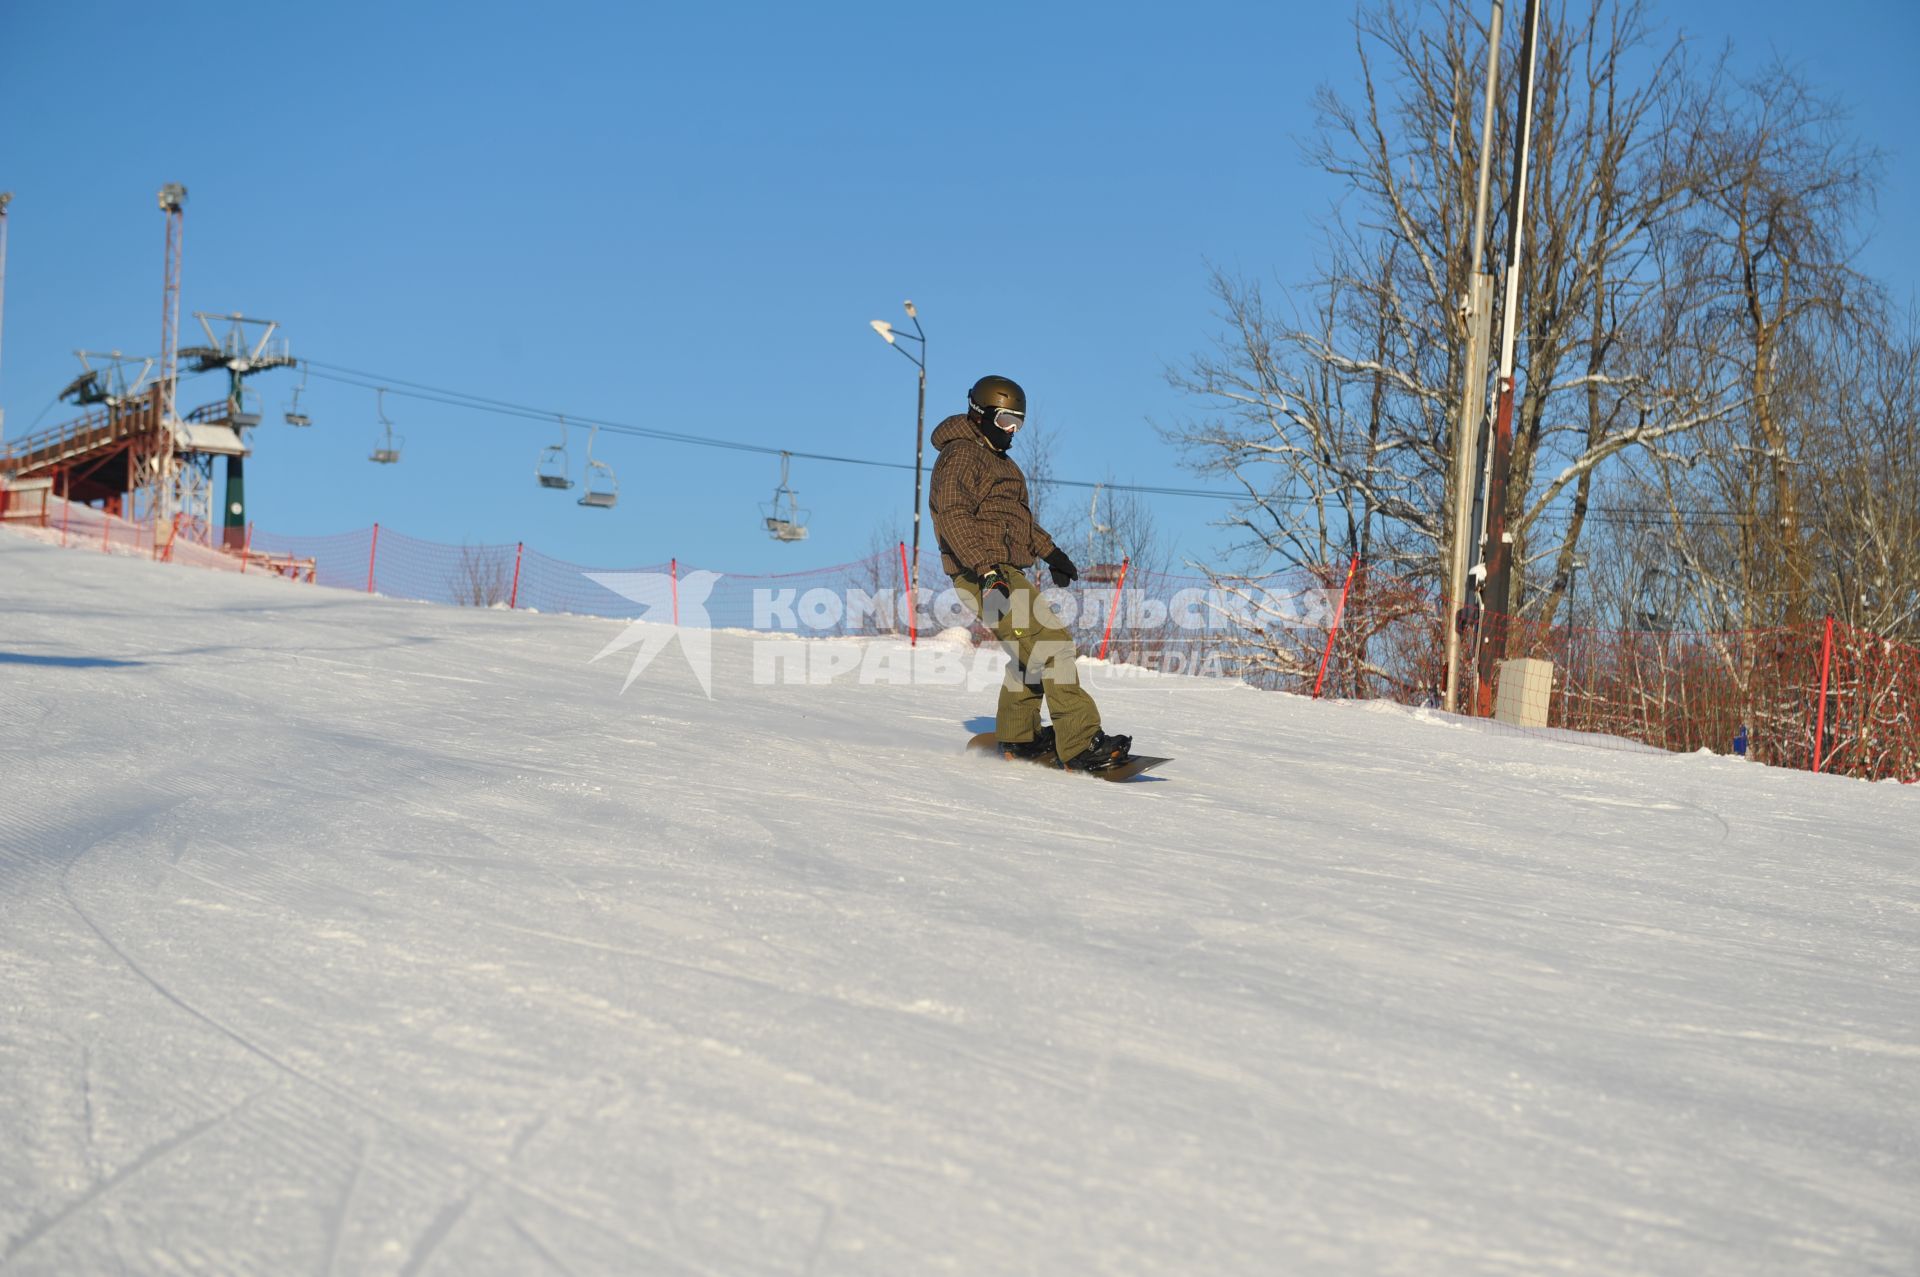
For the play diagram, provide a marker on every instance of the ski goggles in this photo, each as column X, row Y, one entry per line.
column 1005, row 418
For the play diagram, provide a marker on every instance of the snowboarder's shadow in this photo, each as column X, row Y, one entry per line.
column 90, row 662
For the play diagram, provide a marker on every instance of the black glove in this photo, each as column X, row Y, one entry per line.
column 995, row 596
column 1064, row 573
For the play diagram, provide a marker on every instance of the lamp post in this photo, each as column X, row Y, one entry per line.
column 1574, row 565
column 893, row 338
column 1572, row 583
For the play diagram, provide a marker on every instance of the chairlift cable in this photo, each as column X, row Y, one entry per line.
column 500, row 407
column 507, row 408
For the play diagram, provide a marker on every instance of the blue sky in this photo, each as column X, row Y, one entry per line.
column 684, row 216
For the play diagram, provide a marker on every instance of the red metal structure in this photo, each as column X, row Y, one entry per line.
column 133, row 453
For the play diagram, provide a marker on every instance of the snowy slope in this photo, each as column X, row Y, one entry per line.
column 340, row 935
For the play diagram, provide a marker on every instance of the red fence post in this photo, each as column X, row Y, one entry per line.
column 906, row 587
column 1115, row 609
column 1820, row 719
column 246, row 548
column 1333, row 631
column 65, row 505
column 372, row 550
column 513, row 598
column 673, row 573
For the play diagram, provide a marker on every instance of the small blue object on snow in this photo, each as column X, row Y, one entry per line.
column 1740, row 742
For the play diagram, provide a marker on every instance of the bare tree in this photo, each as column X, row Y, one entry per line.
column 1716, row 412
column 1863, row 489
column 881, row 578
column 1338, row 424
column 1099, row 524
column 1104, row 527
column 1766, row 275
column 481, row 577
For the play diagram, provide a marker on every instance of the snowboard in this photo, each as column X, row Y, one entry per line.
column 1135, row 765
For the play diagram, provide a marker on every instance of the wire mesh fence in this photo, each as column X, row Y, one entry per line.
column 1817, row 696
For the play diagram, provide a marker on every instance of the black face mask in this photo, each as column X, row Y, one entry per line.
column 1000, row 439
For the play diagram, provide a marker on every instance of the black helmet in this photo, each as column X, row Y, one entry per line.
column 991, row 392
column 999, row 408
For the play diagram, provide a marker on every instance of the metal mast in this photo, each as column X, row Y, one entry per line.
column 919, row 452
column 158, row 463
column 1499, row 542
column 1473, row 390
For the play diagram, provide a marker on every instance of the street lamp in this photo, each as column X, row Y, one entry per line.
column 893, row 337
column 1572, row 582
column 1574, row 565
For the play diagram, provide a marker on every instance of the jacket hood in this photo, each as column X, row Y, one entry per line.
column 955, row 429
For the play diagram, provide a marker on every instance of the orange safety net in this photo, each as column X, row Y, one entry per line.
column 1818, row 696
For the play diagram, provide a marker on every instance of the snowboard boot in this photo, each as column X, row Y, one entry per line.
column 1041, row 746
column 1105, row 751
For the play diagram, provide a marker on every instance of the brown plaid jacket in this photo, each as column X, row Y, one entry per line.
column 979, row 501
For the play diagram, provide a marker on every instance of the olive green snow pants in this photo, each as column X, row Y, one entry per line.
column 1042, row 665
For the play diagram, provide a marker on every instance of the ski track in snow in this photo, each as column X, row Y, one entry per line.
column 345, row 935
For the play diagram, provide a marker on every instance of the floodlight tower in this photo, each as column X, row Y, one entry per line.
column 155, row 466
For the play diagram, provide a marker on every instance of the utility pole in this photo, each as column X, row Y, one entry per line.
column 1473, row 390
column 919, row 451
column 1498, row 551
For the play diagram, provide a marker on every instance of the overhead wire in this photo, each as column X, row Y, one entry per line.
column 1622, row 516
column 483, row 403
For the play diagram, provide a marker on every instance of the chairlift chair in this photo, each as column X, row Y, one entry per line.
column 294, row 416
column 386, row 450
column 552, row 470
column 785, row 520
column 1100, row 537
column 244, row 415
column 606, row 494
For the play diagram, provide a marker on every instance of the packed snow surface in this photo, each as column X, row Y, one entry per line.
column 343, row 935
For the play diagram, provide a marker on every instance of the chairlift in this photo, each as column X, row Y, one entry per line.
column 386, row 450
column 552, row 469
column 294, row 416
column 244, row 412
column 607, row 494
column 1100, row 537
column 786, row 521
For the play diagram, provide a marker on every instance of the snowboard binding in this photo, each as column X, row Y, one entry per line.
column 1102, row 753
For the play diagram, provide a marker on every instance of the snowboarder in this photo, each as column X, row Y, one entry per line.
column 988, row 538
